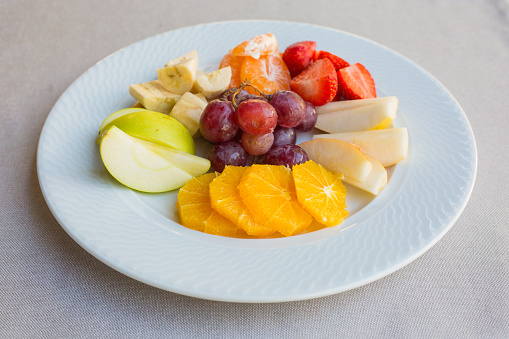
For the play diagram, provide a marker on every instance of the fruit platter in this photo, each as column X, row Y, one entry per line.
column 281, row 162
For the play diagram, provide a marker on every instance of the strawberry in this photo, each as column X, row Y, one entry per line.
column 299, row 55
column 318, row 83
column 355, row 82
column 336, row 61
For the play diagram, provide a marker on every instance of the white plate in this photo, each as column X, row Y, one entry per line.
column 137, row 234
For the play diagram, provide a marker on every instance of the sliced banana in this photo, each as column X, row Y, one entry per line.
column 214, row 83
column 178, row 75
column 188, row 111
column 153, row 96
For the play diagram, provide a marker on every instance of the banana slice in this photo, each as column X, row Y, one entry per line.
column 153, row 96
column 178, row 75
column 188, row 111
column 213, row 83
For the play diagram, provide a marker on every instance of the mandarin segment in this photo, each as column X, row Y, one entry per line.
column 320, row 192
column 264, row 44
column 268, row 73
column 225, row 199
column 195, row 210
column 269, row 193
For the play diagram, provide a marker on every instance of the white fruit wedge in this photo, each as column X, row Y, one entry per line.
column 214, row 83
column 361, row 118
column 178, row 75
column 145, row 166
column 375, row 181
column 153, row 96
column 338, row 156
column 156, row 127
column 334, row 106
column 188, row 111
column 389, row 146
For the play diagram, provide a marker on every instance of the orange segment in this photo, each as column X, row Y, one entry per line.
column 235, row 62
column 196, row 212
column 269, row 193
column 225, row 199
column 269, row 73
column 320, row 192
column 264, row 44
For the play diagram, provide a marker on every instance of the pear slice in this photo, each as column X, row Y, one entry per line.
column 145, row 166
column 375, row 181
column 178, row 75
column 360, row 118
column 338, row 156
column 388, row 146
column 334, row 106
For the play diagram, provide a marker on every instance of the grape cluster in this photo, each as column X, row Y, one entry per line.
column 249, row 128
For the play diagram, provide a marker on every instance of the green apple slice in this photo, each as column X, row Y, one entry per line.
column 139, row 165
column 115, row 115
column 156, row 127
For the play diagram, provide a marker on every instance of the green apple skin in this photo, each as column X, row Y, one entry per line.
column 156, row 127
column 115, row 115
column 136, row 164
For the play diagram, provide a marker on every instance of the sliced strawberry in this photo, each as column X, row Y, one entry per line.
column 355, row 82
column 318, row 83
column 336, row 61
column 299, row 55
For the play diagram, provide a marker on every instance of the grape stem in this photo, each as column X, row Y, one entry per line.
column 243, row 85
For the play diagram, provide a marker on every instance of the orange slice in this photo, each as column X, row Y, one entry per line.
column 225, row 199
column 320, row 192
column 196, row 212
column 269, row 193
column 235, row 62
column 269, row 73
column 258, row 45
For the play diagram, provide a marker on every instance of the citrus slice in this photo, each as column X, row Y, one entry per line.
column 269, row 73
column 235, row 63
column 269, row 193
column 196, row 212
column 320, row 192
column 225, row 199
column 258, row 45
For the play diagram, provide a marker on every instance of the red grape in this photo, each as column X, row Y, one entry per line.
column 227, row 153
column 286, row 155
column 256, row 116
column 257, row 144
column 310, row 118
column 284, row 136
column 218, row 123
column 290, row 108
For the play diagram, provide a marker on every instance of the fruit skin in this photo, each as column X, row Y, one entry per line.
column 298, row 56
column 156, row 127
column 286, row 155
column 355, row 82
column 388, row 146
column 338, row 156
column 227, row 153
column 336, row 61
column 310, row 118
column 290, row 108
column 217, row 122
column 188, row 111
column 214, row 83
column 145, row 166
column 153, row 96
column 178, row 75
column 257, row 144
column 115, row 115
column 318, row 83
column 256, row 116
column 360, row 118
